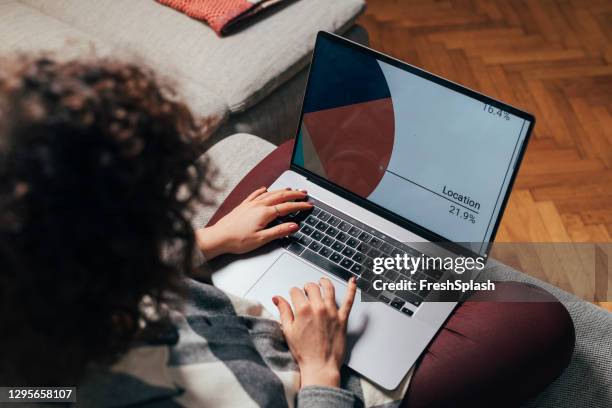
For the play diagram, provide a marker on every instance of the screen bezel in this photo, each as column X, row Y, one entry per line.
column 380, row 210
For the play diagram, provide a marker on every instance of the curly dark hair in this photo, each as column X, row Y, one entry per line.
column 97, row 177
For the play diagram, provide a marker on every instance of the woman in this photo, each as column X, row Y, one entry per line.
column 97, row 179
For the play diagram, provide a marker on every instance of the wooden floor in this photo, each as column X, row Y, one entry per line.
column 551, row 58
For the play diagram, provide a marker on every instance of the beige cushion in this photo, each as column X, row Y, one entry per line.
column 241, row 68
column 24, row 29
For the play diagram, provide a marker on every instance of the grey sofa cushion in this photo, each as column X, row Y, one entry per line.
column 241, row 68
column 230, row 160
column 587, row 381
column 24, row 29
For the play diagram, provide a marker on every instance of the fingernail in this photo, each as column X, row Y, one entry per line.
column 304, row 191
column 293, row 226
column 275, row 300
column 353, row 279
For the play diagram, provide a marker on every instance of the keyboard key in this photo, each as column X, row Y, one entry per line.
column 315, row 211
column 315, row 246
column 326, row 265
column 368, row 263
column 346, row 263
column 395, row 252
column 336, row 257
column 398, row 303
column 356, row 269
column 333, row 221
column 323, row 216
column 436, row 275
column 306, row 230
column 348, row 252
column 337, row 246
column 317, row 235
column 384, row 299
column 326, row 252
column 374, row 253
column 421, row 276
column 368, row 274
column 363, row 248
column 391, row 275
column 363, row 284
column 331, row 231
column 364, row 236
column 304, row 240
column 386, row 248
column 327, row 240
column 359, row 257
column 342, row 237
column 321, row 226
column 375, row 242
column 352, row 242
column 354, row 231
column 422, row 292
column 409, row 297
column 407, row 311
column 312, row 221
column 344, row 226
column 295, row 248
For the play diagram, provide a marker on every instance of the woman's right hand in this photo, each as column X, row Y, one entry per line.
column 245, row 228
column 315, row 330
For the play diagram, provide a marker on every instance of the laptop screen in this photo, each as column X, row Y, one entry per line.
column 435, row 154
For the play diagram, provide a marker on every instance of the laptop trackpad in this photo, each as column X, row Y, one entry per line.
column 370, row 327
column 287, row 272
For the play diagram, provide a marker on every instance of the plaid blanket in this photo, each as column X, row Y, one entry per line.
column 222, row 16
column 221, row 351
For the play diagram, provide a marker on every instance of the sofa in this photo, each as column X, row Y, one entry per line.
column 586, row 382
column 250, row 81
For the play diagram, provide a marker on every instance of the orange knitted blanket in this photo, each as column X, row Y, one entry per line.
column 223, row 16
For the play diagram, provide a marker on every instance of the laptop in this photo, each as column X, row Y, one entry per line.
column 396, row 161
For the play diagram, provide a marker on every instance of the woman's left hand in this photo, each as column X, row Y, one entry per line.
column 244, row 228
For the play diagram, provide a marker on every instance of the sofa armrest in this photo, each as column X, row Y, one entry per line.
column 228, row 162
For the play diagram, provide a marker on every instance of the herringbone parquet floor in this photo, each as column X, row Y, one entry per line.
column 552, row 58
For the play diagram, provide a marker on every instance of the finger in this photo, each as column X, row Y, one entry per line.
column 291, row 207
column 255, row 194
column 313, row 291
column 269, row 193
column 298, row 299
column 345, row 309
column 283, row 196
column 284, row 310
column 277, row 231
column 329, row 293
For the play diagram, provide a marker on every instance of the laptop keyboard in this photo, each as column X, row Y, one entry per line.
column 346, row 247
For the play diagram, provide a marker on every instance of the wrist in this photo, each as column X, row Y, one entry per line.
column 320, row 376
column 210, row 242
